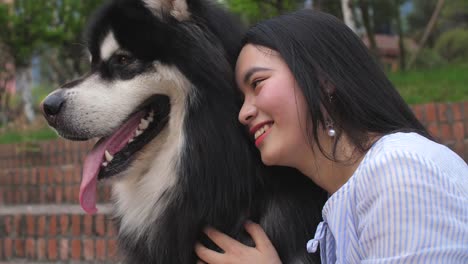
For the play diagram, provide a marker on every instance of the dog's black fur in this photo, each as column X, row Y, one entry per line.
column 221, row 181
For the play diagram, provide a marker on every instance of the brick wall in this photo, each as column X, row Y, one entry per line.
column 56, row 152
column 448, row 123
column 44, row 185
column 57, row 238
column 40, row 221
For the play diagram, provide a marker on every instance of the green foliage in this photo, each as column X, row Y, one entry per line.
column 332, row 7
column 44, row 133
column 253, row 11
column 69, row 44
column 30, row 26
column 382, row 15
column 23, row 28
column 441, row 84
column 420, row 14
column 454, row 14
column 428, row 58
column 453, row 45
column 383, row 12
column 71, row 17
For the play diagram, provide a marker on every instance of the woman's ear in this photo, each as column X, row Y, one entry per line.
column 328, row 87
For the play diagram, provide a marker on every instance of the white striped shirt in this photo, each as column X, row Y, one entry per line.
column 407, row 202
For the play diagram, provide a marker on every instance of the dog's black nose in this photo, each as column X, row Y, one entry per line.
column 52, row 104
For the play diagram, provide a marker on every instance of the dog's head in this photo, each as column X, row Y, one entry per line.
column 149, row 60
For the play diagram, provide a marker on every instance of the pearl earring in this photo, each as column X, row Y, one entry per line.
column 329, row 123
column 330, row 129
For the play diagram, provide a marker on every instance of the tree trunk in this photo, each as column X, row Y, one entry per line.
column 401, row 44
column 427, row 31
column 317, row 5
column 24, row 86
column 364, row 6
column 279, row 6
column 348, row 14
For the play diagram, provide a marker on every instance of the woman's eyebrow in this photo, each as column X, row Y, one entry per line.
column 253, row 70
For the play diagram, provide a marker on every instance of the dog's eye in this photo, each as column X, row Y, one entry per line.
column 123, row 59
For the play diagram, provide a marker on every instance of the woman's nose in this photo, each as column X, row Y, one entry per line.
column 247, row 113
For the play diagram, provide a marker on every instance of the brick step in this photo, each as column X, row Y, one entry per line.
column 44, row 185
column 63, row 234
column 51, row 152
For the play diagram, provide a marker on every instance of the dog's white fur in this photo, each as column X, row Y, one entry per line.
column 137, row 196
column 109, row 46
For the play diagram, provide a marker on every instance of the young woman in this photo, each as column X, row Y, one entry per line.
column 314, row 99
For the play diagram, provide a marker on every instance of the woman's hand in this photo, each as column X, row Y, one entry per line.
column 236, row 252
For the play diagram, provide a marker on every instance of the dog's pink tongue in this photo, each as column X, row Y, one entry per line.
column 93, row 161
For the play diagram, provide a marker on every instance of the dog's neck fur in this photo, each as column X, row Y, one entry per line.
column 138, row 195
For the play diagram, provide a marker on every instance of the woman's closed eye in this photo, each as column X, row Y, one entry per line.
column 256, row 82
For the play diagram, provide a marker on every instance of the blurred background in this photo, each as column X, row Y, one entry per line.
column 421, row 44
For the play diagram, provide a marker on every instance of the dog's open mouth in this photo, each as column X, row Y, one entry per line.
column 114, row 153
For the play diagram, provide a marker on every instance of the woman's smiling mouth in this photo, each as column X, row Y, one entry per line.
column 260, row 131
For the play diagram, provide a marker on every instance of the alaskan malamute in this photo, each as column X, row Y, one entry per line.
column 162, row 99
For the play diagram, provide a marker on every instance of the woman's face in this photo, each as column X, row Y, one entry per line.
column 274, row 108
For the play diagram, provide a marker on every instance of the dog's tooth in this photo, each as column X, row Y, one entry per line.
column 150, row 119
column 104, row 164
column 109, row 157
column 151, row 113
column 143, row 124
column 138, row 132
column 131, row 140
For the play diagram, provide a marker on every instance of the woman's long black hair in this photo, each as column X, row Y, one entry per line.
column 325, row 56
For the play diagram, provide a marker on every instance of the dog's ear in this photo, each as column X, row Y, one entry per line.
column 176, row 8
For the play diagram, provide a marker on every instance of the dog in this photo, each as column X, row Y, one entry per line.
column 161, row 97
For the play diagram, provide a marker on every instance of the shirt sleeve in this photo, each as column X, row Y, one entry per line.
column 409, row 210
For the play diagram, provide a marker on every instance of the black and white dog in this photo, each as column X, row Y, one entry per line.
column 162, row 99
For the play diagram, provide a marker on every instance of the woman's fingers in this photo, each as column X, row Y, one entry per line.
column 207, row 255
column 258, row 235
column 236, row 252
column 223, row 241
column 227, row 243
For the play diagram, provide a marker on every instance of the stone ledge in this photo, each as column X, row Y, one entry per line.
column 50, row 209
